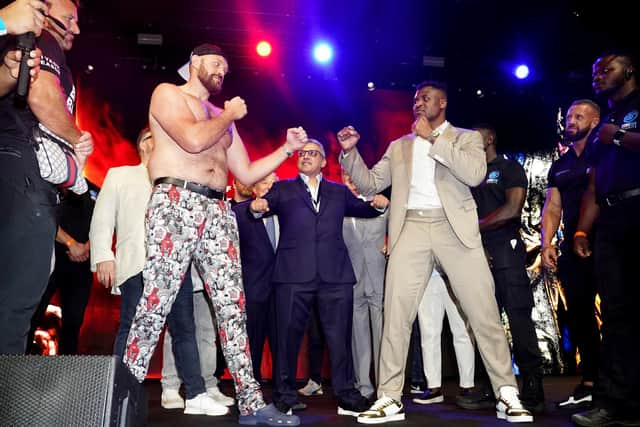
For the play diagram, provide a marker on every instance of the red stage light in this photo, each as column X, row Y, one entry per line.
column 263, row 48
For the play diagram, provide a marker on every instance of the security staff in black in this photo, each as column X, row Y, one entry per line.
column 567, row 181
column 612, row 201
column 500, row 198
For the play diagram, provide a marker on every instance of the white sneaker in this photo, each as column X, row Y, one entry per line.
column 384, row 410
column 509, row 407
column 171, row 399
column 312, row 388
column 215, row 393
column 202, row 404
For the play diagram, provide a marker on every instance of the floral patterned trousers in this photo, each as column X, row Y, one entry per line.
column 184, row 227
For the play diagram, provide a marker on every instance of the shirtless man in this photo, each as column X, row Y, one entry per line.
column 189, row 221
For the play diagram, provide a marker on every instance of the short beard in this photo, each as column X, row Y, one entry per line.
column 208, row 82
column 581, row 133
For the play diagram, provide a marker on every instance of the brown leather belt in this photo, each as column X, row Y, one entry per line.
column 191, row 186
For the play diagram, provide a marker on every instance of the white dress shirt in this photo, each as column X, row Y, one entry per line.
column 423, row 193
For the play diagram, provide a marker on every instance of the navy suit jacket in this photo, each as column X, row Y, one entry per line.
column 311, row 244
column 256, row 254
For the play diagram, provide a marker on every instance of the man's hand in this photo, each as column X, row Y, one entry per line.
column 83, row 148
column 422, row 128
column 296, row 138
column 78, row 252
column 581, row 246
column 106, row 273
column 259, row 205
column 348, row 137
column 236, row 107
column 23, row 16
column 549, row 255
column 380, row 202
column 605, row 133
column 12, row 62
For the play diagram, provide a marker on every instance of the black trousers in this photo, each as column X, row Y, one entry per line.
column 577, row 277
column 316, row 345
column 294, row 302
column 514, row 295
column 261, row 325
column 27, row 227
column 616, row 258
column 73, row 280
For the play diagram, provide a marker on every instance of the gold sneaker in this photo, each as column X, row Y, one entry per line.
column 383, row 411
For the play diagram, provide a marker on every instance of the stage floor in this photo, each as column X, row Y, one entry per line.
column 321, row 410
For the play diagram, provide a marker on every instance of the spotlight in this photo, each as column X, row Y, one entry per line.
column 323, row 53
column 263, row 48
column 521, row 71
column 371, row 86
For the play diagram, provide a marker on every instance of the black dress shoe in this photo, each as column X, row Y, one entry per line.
column 353, row 408
column 282, row 407
column 479, row 399
column 299, row 406
column 597, row 417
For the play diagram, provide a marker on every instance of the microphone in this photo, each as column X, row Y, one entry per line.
column 59, row 23
column 26, row 43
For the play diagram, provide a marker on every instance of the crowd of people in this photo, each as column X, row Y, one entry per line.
column 432, row 228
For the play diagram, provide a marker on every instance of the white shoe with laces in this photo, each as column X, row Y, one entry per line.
column 202, row 404
column 215, row 393
column 171, row 399
column 509, row 407
column 383, row 410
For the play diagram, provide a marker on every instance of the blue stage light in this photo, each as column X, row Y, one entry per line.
column 323, row 53
column 521, row 71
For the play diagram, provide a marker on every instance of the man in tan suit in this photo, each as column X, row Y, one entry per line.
column 432, row 217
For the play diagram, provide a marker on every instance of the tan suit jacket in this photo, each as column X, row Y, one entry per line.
column 460, row 164
column 120, row 209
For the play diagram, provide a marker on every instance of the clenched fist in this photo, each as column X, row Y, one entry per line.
column 236, row 107
column 348, row 137
column 259, row 205
column 296, row 138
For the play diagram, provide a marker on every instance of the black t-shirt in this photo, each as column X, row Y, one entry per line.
column 502, row 174
column 617, row 168
column 570, row 175
column 74, row 215
column 53, row 61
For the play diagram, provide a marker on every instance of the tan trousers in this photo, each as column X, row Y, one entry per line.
column 427, row 235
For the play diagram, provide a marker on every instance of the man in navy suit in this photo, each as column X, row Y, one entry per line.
column 312, row 266
column 257, row 253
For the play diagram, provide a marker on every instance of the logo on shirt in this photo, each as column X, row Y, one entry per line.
column 629, row 121
column 493, row 177
column 46, row 62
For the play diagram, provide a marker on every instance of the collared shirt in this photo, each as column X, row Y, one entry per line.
column 617, row 168
column 570, row 175
column 313, row 191
column 423, row 193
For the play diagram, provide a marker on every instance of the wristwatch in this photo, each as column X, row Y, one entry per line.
column 617, row 137
column 433, row 135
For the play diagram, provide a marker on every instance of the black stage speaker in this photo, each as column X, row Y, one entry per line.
column 61, row 391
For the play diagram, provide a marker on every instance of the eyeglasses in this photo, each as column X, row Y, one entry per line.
column 310, row 153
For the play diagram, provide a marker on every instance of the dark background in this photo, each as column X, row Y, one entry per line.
column 380, row 41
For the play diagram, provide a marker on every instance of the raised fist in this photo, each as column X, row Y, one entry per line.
column 237, row 107
column 348, row 137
